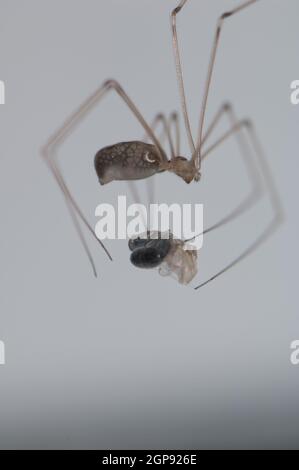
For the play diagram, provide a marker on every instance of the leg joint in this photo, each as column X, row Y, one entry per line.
column 111, row 83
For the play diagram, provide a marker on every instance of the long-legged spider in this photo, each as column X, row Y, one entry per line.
column 140, row 159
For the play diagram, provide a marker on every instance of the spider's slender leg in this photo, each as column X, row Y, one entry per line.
column 174, row 120
column 277, row 218
column 174, row 144
column 75, row 220
column 159, row 118
column 150, row 182
column 166, row 133
column 81, row 236
column 245, row 151
column 49, row 150
column 196, row 149
column 179, row 74
column 197, row 154
column 220, row 113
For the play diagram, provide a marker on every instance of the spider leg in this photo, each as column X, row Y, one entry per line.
column 238, row 128
column 81, row 236
column 160, row 118
column 245, row 151
column 50, row 149
column 174, row 121
column 179, row 73
column 197, row 154
column 75, row 221
column 196, row 148
column 174, row 144
column 278, row 213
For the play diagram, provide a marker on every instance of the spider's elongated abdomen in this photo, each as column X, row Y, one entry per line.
column 127, row 161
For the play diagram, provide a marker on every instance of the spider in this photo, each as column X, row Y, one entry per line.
column 140, row 159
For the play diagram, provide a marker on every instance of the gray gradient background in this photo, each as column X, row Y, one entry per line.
column 132, row 360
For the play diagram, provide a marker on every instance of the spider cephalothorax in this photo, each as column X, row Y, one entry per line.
column 184, row 168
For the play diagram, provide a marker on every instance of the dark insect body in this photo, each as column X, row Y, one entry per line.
column 148, row 252
column 171, row 255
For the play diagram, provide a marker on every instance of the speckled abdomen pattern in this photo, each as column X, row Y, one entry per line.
column 127, row 161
